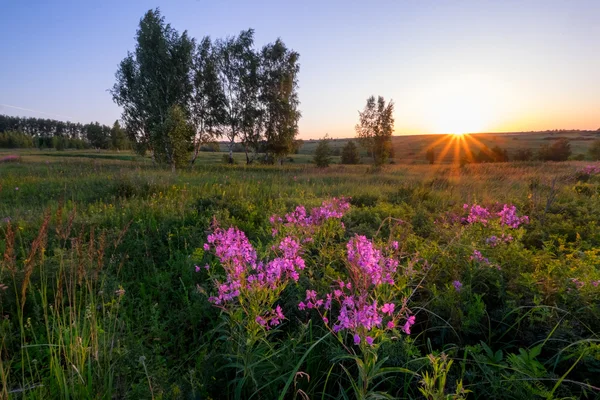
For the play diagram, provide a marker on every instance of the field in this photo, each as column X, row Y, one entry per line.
column 450, row 148
column 104, row 293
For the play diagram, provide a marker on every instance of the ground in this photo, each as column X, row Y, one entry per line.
column 102, row 294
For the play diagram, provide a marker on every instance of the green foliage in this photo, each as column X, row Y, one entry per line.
column 114, row 307
column 434, row 385
column 118, row 138
column 279, row 69
column 323, row 154
column 350, row 154
column 594, row 150
column 523, row 155
column 98, row 135
column 179, row 133
column 151, row 81
column 15, row 140
column 560, row 150
column 375, row 128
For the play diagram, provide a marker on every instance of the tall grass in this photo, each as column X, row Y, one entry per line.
column 99, row 297
column 63, row 312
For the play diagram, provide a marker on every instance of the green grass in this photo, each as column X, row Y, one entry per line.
column 115, row 221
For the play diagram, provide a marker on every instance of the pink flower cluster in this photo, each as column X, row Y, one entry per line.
column 10, row 158
column 590, row 170
column 508, row 217
column 244, row 273
column 273, row 318
column 359, row 311
column 477, row 214
column 334, row 208
column 477, row 256
column 368, row 263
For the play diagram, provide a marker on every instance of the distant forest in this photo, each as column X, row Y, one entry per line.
column 25, row 132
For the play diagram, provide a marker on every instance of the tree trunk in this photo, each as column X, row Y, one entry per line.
column 195, row 153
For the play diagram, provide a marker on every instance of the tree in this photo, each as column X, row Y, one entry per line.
column 323, row 153
column 118, row 138
column 430, row 156
column 594, row 150
column 558, row 151
column 208, row 99
column 350, row 154
column 98, row 135
column 375, row 127
column 180, row 132
column 151, row 81
column 237, row 69
column 278, row 97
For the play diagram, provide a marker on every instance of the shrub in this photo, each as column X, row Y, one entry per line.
column 322, row 154
column 523, row 155
column 594, row 150
column 558, row 151
column 577, row 157
column 350, row 154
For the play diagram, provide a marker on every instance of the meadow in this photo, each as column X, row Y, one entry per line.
column 123, row 280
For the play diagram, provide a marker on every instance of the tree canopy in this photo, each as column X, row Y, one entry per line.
column 375, row 128
column 222, row 88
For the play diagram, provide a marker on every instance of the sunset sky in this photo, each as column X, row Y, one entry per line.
column 450, row 66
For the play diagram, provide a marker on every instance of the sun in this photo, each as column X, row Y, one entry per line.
column 459, row 115
column 465, row 104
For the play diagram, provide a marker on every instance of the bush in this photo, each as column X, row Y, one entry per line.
column 594, row 150
column 558, row 151
column 523, row 155
column 322, row 154
column 350, row 154
column 577, row 157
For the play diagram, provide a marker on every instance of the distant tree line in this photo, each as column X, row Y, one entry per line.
column 179, row 94
column 24, row 132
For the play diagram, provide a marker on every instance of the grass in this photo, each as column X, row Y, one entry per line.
column 102, row 300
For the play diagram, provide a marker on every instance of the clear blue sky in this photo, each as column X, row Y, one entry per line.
column 448, row 65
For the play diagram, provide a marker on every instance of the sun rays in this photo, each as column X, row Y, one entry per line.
column 454, row 149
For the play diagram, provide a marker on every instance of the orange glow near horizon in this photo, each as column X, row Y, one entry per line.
column 455, row 147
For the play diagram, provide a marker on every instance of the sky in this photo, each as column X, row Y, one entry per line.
column 449, row 66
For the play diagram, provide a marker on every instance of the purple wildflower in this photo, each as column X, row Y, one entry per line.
column 457, row 285
column 477, row 256
column 508, row 217
column 410, row 321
